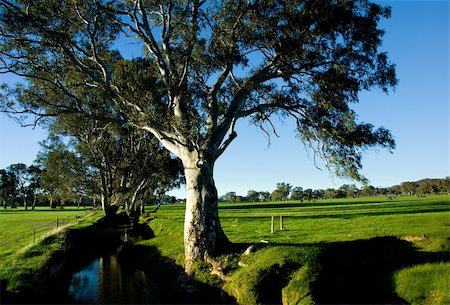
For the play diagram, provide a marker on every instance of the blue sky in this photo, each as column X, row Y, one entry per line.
column 417, row 113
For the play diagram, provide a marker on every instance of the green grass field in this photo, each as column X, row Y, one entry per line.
column 19, row 256
column 416, row 231
column 330, row 251
column 17, row 225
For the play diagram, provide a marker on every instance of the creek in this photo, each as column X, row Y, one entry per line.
column 105, row 280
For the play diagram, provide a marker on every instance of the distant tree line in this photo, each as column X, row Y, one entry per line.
column 285, row 191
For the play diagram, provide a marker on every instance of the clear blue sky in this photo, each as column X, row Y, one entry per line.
column 417, row 113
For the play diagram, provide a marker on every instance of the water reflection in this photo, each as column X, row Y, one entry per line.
column 105, row 281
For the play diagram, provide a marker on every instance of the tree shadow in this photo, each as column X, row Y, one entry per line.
column 361, row 271
column 174, row 285
column 353, row 272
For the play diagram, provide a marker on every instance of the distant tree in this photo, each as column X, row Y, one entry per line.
column 241, row 199
column 330, row 193
column 423, row 187
column 382, row 191
column 281, row 192
column 264, row 196
column 230, row 197
column 34, row 182
column 408, row 188
column 368, row 190
column 8, row 187
column 308, row 194
column 63, row 171
column 253, row 196
column 297, row 193
column 349, row 190
column 428, row 186
column 167, row 199
column 445, row 185
column 19, row 170
column 318, row 194
column 335, row 193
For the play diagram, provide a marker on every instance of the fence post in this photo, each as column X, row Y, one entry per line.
column 272, row 228
column 57, row 222
column 34, row 235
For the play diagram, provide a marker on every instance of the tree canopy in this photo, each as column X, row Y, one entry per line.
column 206, row 65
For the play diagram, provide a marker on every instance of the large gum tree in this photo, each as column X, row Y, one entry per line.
column 205, row 65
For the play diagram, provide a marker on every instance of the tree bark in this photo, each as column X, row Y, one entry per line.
column 105, row 195
column 34, row 201
column 203, row 234
column 105, row 204
column 52, row 204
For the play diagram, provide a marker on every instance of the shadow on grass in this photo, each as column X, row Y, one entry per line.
column 354, row 272
column 360, row 272
column 174, row 286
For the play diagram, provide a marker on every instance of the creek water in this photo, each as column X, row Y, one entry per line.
column 106, row 281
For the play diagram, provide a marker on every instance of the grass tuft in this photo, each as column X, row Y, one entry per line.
column 424, row 284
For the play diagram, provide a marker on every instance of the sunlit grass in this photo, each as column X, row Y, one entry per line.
column 16, row 225
column 424, row 284
column 327, row 220
column 309, row 228
column 20, row 259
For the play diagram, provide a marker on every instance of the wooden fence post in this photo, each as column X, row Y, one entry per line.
column 281, row 223
column 57, row 222
column 272, row 227
column 34, row 235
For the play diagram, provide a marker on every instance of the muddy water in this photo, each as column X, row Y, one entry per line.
column 105, row 281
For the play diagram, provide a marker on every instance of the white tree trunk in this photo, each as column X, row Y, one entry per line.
column 203, row 234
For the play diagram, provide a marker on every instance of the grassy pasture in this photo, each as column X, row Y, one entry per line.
column 396, row 248
column 19, row 257
column 327, row 220
column 16, row 225
column 374, row 240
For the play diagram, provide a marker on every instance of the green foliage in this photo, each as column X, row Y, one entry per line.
column 207, row 64
column 8, row 187
column 424, row 284
column 281, row 192
column 64, row 172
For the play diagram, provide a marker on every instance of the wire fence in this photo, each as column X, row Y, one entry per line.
column 35, row 232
